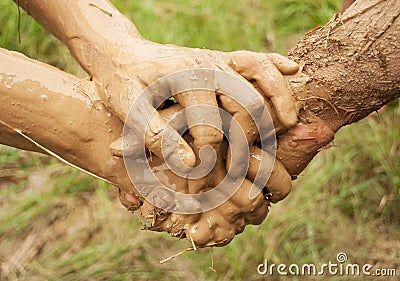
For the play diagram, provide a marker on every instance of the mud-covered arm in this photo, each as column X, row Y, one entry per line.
column 33, row 116
column 107, row 44
column 92, row 30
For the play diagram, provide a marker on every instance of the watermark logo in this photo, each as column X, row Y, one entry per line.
column 338, row 267
column 341, row 257
column 143, row 175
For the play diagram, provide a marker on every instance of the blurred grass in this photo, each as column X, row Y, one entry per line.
column 58, row 224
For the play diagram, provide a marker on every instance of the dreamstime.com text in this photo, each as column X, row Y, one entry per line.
column 339, row 267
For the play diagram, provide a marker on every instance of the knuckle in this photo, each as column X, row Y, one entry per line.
column 256, row 105
column 279, row 184
column 153, row 140
column 209, row 135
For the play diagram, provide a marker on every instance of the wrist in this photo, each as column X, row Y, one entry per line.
column 101, row 34
column 99, row 54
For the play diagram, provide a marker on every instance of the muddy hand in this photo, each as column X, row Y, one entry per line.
column 218, row 226
column 146, row 62
column 265, row 71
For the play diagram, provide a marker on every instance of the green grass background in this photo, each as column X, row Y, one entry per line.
column 59, row 224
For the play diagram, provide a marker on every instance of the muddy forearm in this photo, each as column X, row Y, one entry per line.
column 351, row 68
column 92, row 30
column 59, row 112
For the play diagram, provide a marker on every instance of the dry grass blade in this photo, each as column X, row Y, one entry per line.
column 176, row 255
column 58, row 157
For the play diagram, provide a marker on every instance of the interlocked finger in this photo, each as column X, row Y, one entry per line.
column 259, row 67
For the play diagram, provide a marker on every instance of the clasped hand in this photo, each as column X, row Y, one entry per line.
column 134, row 69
